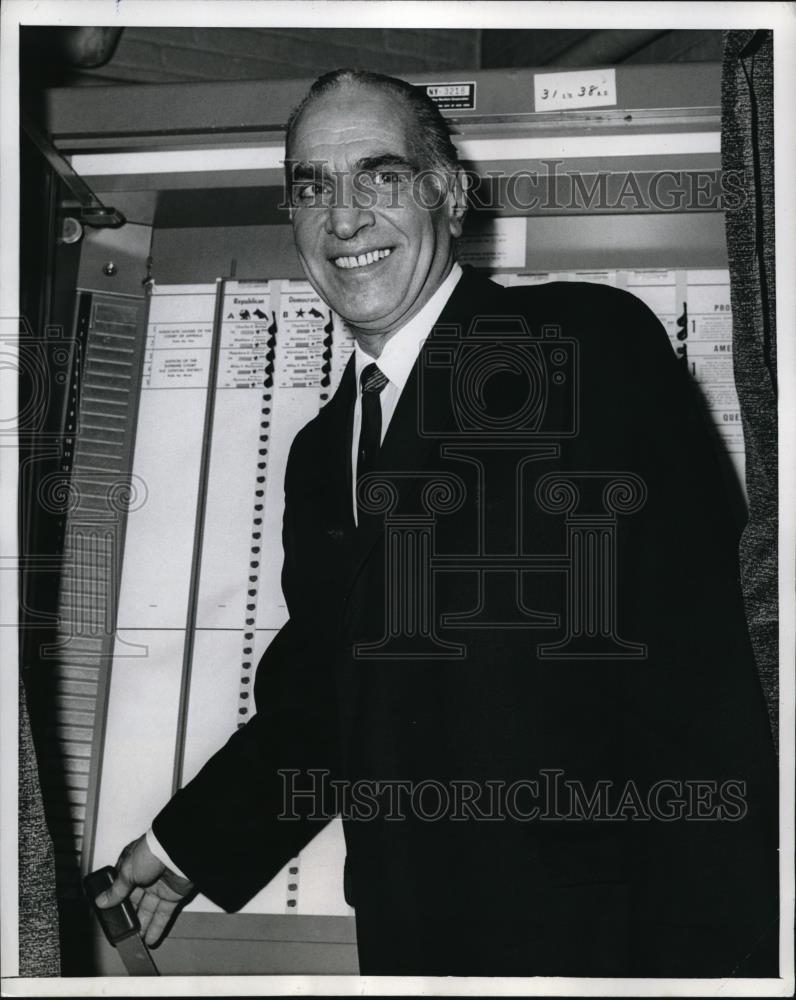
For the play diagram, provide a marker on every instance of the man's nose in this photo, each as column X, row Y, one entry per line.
column 349, row 214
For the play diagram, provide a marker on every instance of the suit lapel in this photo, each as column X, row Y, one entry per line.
column 410, row 444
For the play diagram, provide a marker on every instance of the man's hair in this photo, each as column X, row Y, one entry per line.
column 429, row 135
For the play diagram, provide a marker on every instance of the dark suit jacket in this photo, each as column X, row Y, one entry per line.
column 649, row 679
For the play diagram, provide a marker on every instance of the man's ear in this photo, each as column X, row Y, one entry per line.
column 457, row 200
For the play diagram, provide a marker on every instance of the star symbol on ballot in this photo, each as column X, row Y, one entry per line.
column 299, row 312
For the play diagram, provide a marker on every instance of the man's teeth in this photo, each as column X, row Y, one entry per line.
column 362, row 259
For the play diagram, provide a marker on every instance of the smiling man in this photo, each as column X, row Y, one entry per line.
column 362, row 171
column 525, row 678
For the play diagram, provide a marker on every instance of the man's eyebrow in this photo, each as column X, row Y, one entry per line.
column 382, row 160
column 308, row 170
column 313, row 170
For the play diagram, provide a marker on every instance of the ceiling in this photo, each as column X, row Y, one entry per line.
column 88, row 56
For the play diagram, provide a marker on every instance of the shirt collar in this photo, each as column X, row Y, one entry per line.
column 399, row 354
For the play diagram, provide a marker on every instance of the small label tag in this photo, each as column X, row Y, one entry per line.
column 498, row 242
column 583, row 88
column 451, row 95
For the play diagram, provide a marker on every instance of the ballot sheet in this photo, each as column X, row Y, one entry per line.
column 232, row 371
column 694, row 307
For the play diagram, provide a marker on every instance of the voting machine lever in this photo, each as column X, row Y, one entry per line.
column 120, row 925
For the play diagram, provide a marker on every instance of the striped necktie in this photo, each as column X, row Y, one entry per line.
column 372, row 380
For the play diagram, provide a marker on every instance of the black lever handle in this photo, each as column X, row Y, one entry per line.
column 117, row 922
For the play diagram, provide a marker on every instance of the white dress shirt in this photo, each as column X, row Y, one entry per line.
column 396, row 361
column 156, row 848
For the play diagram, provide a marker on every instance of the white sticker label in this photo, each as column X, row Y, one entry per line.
column 583, row 88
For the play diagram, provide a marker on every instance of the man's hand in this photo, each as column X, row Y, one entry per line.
column 155, row 890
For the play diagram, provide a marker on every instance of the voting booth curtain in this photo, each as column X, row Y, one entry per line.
column 747, row 144
column 39, row 953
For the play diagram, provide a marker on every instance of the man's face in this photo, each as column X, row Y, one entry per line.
column 374, row 239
